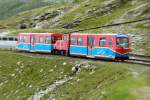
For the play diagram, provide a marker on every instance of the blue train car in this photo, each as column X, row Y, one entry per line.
column 105, row 46
column 37, row 42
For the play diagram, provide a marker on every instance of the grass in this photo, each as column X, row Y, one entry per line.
column 16, row 31
column 88, row 84
column 94, row 22
column 22, row 74
column 80, row 12
column 16, row 6
column 143, row 26
column 109, row 82
column 26, row 16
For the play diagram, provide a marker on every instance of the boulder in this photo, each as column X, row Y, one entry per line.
column 23, row 25
column 44, row 24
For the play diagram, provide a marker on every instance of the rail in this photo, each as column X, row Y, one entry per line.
column 136, row 59
column 139, row 59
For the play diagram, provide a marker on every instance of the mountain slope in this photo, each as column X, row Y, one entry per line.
column 12, row 7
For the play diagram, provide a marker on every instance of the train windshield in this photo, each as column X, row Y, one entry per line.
column 122, row 42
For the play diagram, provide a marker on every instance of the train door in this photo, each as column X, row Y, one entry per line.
column 32, row 42
column 90, row 45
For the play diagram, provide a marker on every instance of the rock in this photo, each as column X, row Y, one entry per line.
column 73, row 69
column 41, row 25
column 12, row 75
column 103, row 92
column 16, row 69
column 68, row 25
column 135, row 74
column 30, row 86
column 64, row 63
column 18, row 63
column 51, row 70
column 41, row 70
column 4, row 33
column 142, row 10
column 23, row 25
column 92, row 72
column 100, row 98
column 55, row 66
column 22, row 83
column 1, row 83
column 47, row 15
column 107, row 7
column 22, row 66
column 77, row 22
column 78, row 80
column 16, row 91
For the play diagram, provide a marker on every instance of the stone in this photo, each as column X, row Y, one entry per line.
column 41, row 25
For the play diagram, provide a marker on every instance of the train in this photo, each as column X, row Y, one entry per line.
column 110, row 46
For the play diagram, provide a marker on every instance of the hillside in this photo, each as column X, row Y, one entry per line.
column 81, row 14
column 40, row 77
column 12, row 7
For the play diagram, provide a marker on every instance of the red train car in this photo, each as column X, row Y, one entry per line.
column 105, row 46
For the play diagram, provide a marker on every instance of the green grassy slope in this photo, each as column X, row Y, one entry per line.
column 22, row 75
column 12, row 7
column 90, row 13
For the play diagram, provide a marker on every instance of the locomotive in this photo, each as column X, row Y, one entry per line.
column 99, row 46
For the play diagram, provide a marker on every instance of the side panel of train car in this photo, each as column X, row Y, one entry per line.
column 110, row 46
column 37, row 42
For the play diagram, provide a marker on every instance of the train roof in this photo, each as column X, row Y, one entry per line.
column 37, row 33
column 45, row 34
column 114, row 34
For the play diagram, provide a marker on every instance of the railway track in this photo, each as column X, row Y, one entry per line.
column 134, row 59
column 139, row 59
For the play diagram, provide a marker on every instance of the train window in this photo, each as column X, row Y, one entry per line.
column 47, row 41
column 91, row 41
column 110, row 42
column 102, row 42
column 4, row 38
column 122, row 42
column 11, row 38
column 24, row 39
column 58, row 38
column 41, row 39
column 53, row 39
column 80, row 41
column 33, row 39
column 65, row 37
column 73, row 41
column 16, row 39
